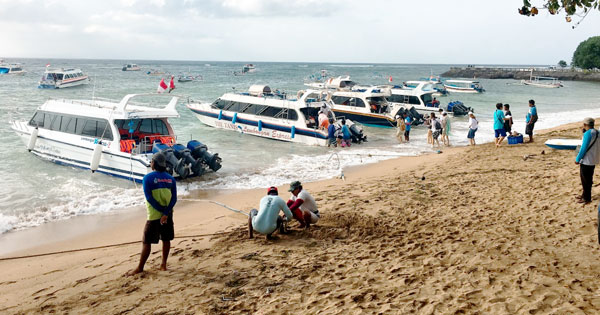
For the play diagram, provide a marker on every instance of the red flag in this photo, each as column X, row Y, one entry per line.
column 47, row 65
column 390, row 79
column 162, row 86
column 171, row 84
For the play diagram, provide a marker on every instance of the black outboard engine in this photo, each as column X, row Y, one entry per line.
column 200, row 151
column 173, row 165
column 183, row 153
column 357, row 134
column 416, row 117
column 458, row 108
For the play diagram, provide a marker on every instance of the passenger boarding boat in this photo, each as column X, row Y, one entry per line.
column 112, row 137
column 462, row 86
column 11, row 68
column 265, row 113
column 62, row 78
column 131, row 67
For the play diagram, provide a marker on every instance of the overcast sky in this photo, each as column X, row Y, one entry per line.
column 375, row 31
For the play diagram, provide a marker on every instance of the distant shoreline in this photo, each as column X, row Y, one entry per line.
column 522, row 73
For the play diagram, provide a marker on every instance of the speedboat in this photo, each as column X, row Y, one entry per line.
column 248, row 68
column 155, row 72
column 131, row 67
column 420, row 95
column 62, row 78
column 11, row 68
column 112, row 137
column 463, row 86
column 270, row 114
column 337, row 83
column 189, row 78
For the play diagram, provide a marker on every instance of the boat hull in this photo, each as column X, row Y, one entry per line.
column 76, row 151
column 62, row 84
column 563, row 144
column 250, row 125
column 373, row 120
column 462, row 90
column 547, row 86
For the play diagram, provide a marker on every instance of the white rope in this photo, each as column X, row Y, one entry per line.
column 219, row 204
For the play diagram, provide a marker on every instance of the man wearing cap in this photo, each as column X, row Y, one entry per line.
column 266, row 220
column 161, row 195
column 303, row 205
column 588, row 157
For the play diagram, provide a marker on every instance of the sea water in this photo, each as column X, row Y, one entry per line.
column 35, row 191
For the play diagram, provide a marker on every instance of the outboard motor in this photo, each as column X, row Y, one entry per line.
column 200, row 151
column 183, row 153
column 416, row 116
column 357, row 133
column 458, row 108
column 173, row 165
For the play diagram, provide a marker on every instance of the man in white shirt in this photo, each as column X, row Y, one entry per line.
column 266, row 220
column 303, row 205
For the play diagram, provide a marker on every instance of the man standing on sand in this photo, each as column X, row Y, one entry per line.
column 588, row 157
column 499, row 132
column 530, row 119
column 508, row 122
column 266, row 220
column 302, row 204
column 161, row 195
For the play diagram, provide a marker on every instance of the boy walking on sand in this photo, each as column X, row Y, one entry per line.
column 161, row 195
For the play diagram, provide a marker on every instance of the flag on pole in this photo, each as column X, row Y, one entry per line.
column 47, row 65
column 171, row 84
column 162, row 86
column 390, row 79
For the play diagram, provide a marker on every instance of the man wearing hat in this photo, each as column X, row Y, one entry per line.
column 161, row 195
column 266, row 220
column 303, row 205
column 588, row 157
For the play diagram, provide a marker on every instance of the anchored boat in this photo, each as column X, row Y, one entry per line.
column 543, row 82
column 270, row 114
column 420, row 95
column 112, row 137
column 463, row 86
column 62, row 78
column 131, row 67
column 11, row 68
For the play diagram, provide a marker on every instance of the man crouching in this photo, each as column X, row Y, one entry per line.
column 266, row 220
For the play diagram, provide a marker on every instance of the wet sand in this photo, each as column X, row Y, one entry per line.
column 471, row 230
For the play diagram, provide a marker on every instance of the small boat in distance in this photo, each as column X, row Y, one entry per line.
column 270, row 114
column 131, row 67
column 11, row 68
column 62, row 78
column 154, row 72
column 189, row 78
column 248, row 68
column 337, row 83
column 543, row 82
column 117, row 138
column 463, row 86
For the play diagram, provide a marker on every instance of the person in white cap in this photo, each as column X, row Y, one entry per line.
column 588, row 158
column 473, row 125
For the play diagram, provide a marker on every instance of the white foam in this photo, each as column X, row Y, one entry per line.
column 7, row 222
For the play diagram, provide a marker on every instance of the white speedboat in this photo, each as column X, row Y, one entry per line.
column 337, row 83
column 248, row 68
column 463, row 86
column 131, row 67
column 62, row 78
column 112, row 137
column 367, row 105
column 416, row 94
column 270, row 114
column 11, row 68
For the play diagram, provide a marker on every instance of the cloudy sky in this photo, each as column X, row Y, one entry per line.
column 376, row 31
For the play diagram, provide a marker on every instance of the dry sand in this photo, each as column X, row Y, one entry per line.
column 485, row 231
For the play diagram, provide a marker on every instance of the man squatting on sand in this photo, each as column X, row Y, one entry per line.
column 588, row 157
column 161, row 195
column 303, row 205
column 266, row 220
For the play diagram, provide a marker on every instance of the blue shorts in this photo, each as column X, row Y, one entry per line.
column 499, row 132
column 471, row 134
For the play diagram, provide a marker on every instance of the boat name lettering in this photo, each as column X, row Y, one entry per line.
column 92, row 140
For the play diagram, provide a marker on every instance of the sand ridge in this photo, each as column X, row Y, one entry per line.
column 485, row 231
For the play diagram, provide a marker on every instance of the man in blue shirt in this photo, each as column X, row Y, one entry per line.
column 407, row 122
column 588, row 157
column 530, row 119
column 499, row 132
column 331, row 134
column 161, row 195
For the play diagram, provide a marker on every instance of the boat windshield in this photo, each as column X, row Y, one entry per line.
column 426, row 98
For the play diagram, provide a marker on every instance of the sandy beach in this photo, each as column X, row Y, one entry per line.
column 471, row 230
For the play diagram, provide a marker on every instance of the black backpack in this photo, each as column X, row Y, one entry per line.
column 438, row 126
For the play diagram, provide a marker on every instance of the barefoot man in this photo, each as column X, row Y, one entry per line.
column 161, row 196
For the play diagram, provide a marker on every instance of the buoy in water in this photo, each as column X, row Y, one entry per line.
column 95, row 162
column 32, row 139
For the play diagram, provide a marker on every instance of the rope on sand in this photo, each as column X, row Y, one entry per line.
column 134, row 242
column 100, row 247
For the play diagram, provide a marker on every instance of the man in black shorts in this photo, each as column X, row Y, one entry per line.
column 531, row 119
column 161, row 195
